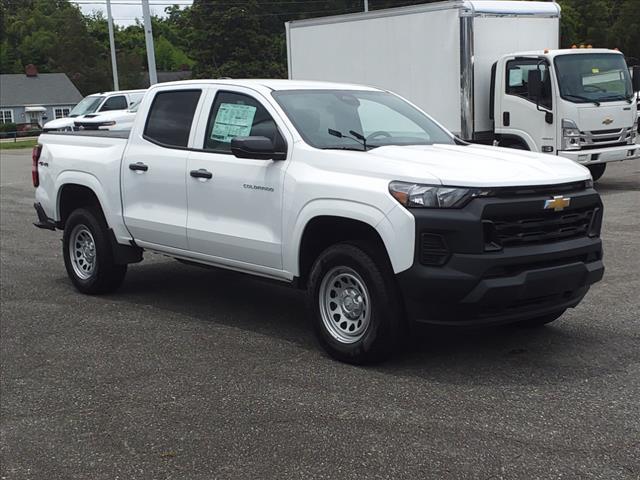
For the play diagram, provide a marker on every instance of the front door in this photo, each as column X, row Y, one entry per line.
column 35, row 118
column 154, row 191
column 519, row 114
column 235, row 205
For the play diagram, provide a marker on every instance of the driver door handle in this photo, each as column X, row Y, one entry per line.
column 201, row 173
column 139, row 166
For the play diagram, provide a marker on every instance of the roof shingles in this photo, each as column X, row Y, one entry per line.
column 44, row 89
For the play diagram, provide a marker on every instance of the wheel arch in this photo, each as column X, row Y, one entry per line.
column 329, row 222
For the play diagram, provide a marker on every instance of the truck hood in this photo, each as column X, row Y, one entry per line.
column 114, row 115
column 60, row 123
column 608, row 116
column 471, row 166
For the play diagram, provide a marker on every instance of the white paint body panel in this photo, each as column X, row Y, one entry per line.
column 221, row 223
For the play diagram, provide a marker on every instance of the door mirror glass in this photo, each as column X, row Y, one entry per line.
column 256, row 148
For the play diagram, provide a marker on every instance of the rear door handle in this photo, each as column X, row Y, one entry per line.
column 139, row 167
column 202, row 173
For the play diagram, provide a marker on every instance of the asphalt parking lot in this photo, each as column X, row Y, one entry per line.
column 188, row 373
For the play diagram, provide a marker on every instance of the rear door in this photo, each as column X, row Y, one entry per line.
column 235, row 215
column 154, row 191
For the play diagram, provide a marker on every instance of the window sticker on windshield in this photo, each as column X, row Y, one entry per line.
column 232, row 121
column 515, row 77
column 595, row 70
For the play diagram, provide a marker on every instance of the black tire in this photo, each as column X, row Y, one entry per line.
column 597, row 170
column 384, row 321
column 541, row 321
column 105, row 276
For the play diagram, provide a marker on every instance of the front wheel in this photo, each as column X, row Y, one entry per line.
column 355, row 305
column 597, row 170
column 87, row 253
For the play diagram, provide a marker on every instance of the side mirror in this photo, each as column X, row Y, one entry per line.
column 256, row 148
column 535, row 84
column 635, row 79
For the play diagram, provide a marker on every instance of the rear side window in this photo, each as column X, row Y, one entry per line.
column 170, row 117
column 115, row 103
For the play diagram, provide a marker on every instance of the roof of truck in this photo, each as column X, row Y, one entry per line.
column 554, row 52
column 489, row 8
column 272, row 84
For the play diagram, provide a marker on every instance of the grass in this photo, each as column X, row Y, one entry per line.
column 18, row 145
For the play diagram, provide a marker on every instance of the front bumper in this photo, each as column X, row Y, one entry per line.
column 476, row 286
column 602, row 155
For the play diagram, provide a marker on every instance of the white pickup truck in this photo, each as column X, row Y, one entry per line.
column 350, row 192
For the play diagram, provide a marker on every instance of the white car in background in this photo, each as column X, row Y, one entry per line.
column 97, row 102
column 114, row 120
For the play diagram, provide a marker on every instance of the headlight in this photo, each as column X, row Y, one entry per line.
column 570, row 135
column 413, row 195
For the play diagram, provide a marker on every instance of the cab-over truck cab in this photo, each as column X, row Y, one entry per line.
column 575, row 103
column 350, row 192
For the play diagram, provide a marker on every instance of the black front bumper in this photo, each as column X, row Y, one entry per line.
column 479, row 281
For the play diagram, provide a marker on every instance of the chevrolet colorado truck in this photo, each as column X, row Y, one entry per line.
column 350, row 192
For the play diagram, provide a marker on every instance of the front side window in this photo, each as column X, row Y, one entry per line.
column 339, row 119
column 518, row 80
column 170, row 117
column 87, row 105
column 61, row 112
column 593, row 77
column 115, row 103
column 238, row 115
column 6, row 116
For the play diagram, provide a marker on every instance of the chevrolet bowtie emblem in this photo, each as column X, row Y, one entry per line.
column 557, row 203
column 607, row 121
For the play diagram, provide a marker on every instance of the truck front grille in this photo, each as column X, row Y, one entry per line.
column 605, row 138
column 543, row 228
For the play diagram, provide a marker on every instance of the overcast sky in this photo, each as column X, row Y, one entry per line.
column 125, row 12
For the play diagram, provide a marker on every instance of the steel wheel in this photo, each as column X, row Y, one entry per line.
column 82, row 251
column 344, row 304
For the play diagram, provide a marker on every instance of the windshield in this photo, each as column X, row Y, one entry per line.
column 593, row 77
column 87, row 105
column 351, row 119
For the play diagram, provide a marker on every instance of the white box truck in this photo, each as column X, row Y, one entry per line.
column 469, row 64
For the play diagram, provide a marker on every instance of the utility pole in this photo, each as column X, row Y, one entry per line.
column 112, row 44
column 148, row 37
column 366, row 5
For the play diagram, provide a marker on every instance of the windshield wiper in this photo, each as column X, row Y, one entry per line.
column 579, row 97
column 358, row 137
column 353, row 149
column 616, row 97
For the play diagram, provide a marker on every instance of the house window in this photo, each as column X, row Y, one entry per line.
column 6, row 116
column 61, row 112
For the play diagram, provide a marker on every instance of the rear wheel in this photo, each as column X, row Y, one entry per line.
column 541, row 321
column 356, row 309
column 597, row 170
column 87, row 253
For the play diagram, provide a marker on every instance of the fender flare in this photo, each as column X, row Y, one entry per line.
column 398, row 239
column 112, row 215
